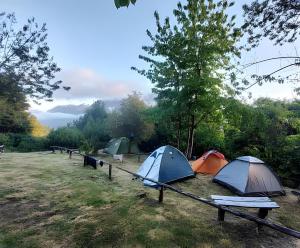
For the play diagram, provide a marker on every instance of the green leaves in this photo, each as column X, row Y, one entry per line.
column 124, row 3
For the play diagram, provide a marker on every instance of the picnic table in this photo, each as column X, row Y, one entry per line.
column 264, row 204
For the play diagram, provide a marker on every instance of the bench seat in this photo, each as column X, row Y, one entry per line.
column 264, row 204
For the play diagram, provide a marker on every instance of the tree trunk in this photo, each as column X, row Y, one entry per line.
column 179, row 133
column 188, row 140
column 190, row 143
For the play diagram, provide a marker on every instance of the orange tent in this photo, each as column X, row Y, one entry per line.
column 209, row 163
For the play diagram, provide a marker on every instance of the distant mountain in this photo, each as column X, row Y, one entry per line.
column 80, row 109
column 70, row 109
column 54, row 120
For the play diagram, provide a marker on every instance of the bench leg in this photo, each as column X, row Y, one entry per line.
column 221, row 214
column 262, row 213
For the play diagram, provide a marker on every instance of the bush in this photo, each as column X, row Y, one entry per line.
column 65, row 137
column 22, row 142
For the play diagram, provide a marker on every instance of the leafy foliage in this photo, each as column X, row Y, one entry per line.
column 129, row 120
column 93, row 126
column 65, row 137
column 123, row 3
column 187, row 62
column 24, row 53
column 277, row 20
column 37, row 129
column 13, row 117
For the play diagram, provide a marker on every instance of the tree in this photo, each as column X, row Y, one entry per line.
column 24, row 54
column 129, row 120
column 13, row 106
column 123, row 3
column 187, row 62
column 277, row 20
column 93, row 125
column 37, row 129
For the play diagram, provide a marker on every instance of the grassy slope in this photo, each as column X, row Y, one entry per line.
column 52, row 201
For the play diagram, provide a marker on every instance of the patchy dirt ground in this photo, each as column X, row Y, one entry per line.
column 49, row 200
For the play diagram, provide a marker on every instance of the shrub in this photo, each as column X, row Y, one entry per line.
column 65, row 137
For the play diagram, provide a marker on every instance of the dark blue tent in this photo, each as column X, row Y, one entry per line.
column 166, row 164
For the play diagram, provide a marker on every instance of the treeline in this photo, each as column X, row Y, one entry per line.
column 268, row 129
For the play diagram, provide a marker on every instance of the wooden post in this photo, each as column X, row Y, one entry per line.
column 70, row 154
column 84, row 160
column 221, row 214
column 161, row 194
column 61, row 150
column 263, row 212
column 109, row 172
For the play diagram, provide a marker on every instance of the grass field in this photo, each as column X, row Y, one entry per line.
column 49, row 200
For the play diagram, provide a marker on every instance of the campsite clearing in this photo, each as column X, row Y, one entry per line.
column 49, row 200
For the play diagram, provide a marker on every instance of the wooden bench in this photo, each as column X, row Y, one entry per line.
column 264, row 204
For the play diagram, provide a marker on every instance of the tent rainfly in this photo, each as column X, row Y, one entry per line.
column 209, row 163
column 121, row 146
column 166, row 164
column 249, row 176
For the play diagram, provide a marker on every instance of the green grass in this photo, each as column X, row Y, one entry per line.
column 52, row 201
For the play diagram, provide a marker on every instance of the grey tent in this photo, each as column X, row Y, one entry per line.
column 249, row 176
column 121, row 146
column 166, row 164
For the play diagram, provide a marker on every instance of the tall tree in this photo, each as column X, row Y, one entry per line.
column 188, row 61
column 24, row 53
column 13, row 106
column 129, row 120
column 93, row 125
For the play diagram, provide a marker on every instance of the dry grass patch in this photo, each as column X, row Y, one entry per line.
column 52, row 201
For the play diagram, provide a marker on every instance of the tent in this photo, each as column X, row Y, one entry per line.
column 121, row 146
column 209, row 163
column 249, row 176
column 166, row 164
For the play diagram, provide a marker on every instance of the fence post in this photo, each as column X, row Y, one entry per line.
column 161, row 194
column 109, row 171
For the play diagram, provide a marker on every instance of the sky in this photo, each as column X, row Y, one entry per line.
column 95, row 44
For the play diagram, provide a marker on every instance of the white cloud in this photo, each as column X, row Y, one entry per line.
column 88, row 84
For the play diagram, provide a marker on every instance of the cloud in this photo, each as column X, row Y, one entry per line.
column 88, row 84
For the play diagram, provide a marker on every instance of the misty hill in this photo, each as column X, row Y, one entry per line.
column 80, row 109
column 70, row 109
